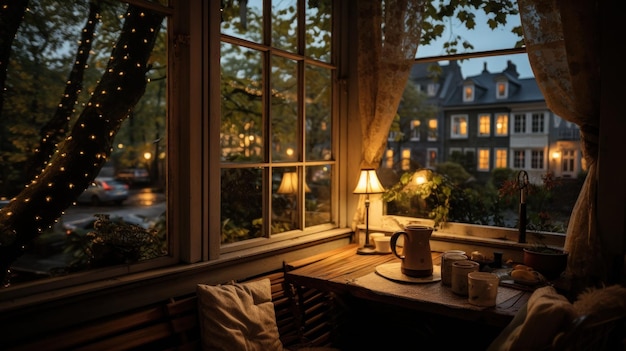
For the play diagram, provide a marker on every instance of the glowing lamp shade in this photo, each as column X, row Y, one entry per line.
column 368, row 184
column 289, row 184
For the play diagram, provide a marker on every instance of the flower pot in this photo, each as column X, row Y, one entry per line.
column 547, row 261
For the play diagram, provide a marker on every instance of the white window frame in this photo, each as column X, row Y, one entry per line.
column 501, row 131
column 483, row 155
column 433, row 132
column 456, row 123
column 502, row 89
column 468, row 92
column 431, row 161
column 415, row 130
column 484, row 124
column 499, row 159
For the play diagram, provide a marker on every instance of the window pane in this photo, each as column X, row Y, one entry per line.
column 318, row 29
column 285, row 25
column 284, row 109
column 285, row 192
column 318, row 199
column 318, row 113
column 130, row 186
column 242, row 204
column 241, row 134
column 243, row 22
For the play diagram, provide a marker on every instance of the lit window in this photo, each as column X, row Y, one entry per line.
column 502, row 89
column 431, row 160
column 406, row 159
column 483, row 160
column 484, row 125
column 458, row 127
column 389, row 158
column 415, row 130
column 501, row 158
column 432, row 129
column 468, row 92
column 502, row 124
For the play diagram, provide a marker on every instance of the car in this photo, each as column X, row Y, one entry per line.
column 104, row 190
column 133, row 176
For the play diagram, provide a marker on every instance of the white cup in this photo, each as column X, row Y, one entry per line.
column 373, row 237
column 382, row 244
column 482, row 288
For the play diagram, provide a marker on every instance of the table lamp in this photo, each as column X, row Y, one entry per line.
column 368, row 184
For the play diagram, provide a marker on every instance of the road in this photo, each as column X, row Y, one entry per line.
column 142, row 202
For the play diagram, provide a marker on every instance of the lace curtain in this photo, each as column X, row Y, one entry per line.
column 563, row 46
column 387, row 43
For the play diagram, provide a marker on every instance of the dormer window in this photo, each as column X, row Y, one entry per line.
column 502, row 89
column 468, row 92
column 432, row 89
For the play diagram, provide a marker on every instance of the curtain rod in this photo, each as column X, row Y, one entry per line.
column 469, row 55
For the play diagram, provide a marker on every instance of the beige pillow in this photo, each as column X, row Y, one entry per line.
column 238, row 316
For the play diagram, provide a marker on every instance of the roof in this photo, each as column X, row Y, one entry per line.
column 520, row 90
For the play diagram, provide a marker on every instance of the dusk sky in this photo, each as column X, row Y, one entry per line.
column 483, row 39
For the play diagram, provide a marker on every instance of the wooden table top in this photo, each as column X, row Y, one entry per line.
column 344, row 271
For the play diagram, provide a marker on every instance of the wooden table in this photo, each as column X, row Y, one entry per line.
column 344, row 271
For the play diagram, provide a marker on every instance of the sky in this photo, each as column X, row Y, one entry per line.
column 483, row 39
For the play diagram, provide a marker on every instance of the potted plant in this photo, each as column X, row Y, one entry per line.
column 548, row 260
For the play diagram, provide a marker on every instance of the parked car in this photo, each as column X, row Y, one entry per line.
column 86, row 224
column 104, row 190
column 133, row 176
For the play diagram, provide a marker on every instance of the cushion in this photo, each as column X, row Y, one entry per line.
column 238, row 316
column 547, row 313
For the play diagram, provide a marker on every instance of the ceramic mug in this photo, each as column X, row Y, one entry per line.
column 382, row 244
column 416, row 257
column 482, row 288
column 460, row 270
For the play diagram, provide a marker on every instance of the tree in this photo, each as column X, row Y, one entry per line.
column 79, row 157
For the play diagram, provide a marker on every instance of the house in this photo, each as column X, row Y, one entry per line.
column 502, row 121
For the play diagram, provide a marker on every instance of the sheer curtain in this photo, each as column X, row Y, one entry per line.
column 563, row 46
column 387, row 43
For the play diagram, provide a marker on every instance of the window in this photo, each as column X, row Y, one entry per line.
column 483, row 160
column 458, row 127
column 501, row 158
column 502, row 89
column 389, row 158
column 406, row 159
column 484, row 125
column 433, row 131
column 519, row 123
column 415, row 130
column 277, row 119
column 432, row 89
column 137, row 164
column 519, row 159
column 538, row 122
column 468, row 92
column 568, row 161
column 536, row 159
column 431, row 160
column 502, row 124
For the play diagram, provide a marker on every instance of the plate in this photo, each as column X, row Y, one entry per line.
column 392, row 271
